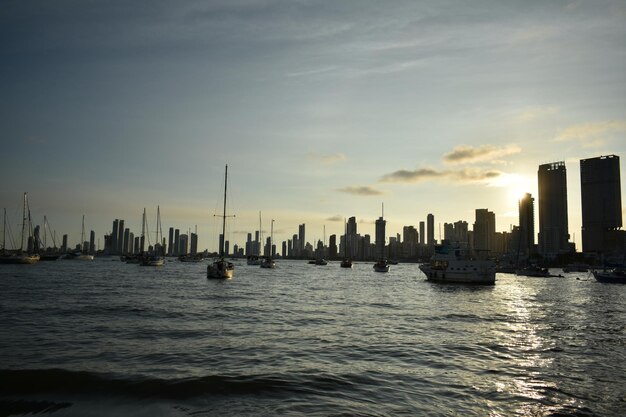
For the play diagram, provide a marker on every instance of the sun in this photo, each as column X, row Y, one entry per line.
column 515, row 186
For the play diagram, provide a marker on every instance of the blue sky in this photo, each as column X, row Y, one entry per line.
column 322, row 109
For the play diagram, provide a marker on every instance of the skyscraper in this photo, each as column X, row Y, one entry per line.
column 430, row 230
column 527, row 223
column 380, row 236
column 484, row 230
column 301, row 241
column 170, row 246
column 422, row 235
column 114, row 236
column 351, row 228
column 601, row 199
column 553, row 228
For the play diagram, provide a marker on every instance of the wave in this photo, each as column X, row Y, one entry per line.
column 61, row 381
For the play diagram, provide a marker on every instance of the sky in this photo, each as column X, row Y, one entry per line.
column 321, row 109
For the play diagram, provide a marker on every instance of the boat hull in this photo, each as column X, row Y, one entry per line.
column 220, row 270
column 20, row 259
column 485, row 277
column 609, row 277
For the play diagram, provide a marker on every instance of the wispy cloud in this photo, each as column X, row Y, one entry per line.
column 592, row 134
column 464, row 154
column 364, row 190
column 405, row 175
column 426, row 174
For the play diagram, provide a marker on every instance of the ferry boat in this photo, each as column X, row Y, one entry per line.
column 615, row 276
column 449, row 264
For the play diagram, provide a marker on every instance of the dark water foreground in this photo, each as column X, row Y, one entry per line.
column 110, row 339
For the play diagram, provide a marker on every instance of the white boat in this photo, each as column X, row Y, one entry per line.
column 222, row 269
column 449, row 264
column 84, row 254
column 268, row 262
column 157, row 256
column 19, row 256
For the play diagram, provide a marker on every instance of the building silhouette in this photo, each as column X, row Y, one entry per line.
column 484, row 231
column 380, row 237
column 430, row 230
column 553, row 221
column 601, row 200
column 301, row 240
column 527, row 224
column 422, row 234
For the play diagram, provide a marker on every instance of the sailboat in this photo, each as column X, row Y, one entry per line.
column 21, row 257
column 49, row 255
column 156, row 257
column 268, row 262
column 222, row 269
column 382, row 265
column 346, row 262
column 83, row 255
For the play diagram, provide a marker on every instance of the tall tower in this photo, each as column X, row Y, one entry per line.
column 527, row 223
column 601, row 204
column 114, row 236
column 422, row 234
column 351, row 226
column 430, row 230
column 553, row 229
column 484, row 230
column 380, row 237
column 301, row 237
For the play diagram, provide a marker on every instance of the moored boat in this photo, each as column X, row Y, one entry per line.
column 381, row 265
column 613, row 276
column 451, row 265
column 222, row 269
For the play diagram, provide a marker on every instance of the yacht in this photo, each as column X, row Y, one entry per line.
column 449, row 264
column 222, row 269
column 615, row 276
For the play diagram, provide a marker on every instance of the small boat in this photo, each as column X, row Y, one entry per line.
column 191, row 258
column 613, row 276
column 346, row 263
column 268, row 263
column 451, row 265
column 381, row 265
column 319, row 262
column 156, row 257
column 533, row 271
column 20, row 256
column 254, row 260
column 222, row 269
column 83, row 254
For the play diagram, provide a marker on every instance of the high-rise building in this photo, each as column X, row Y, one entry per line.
column 430, row 230
column 301, row 236
column 553, row 228
column 527, row 224
column 351, row 228
column 170, row 246
column 380, row 237
column 484, row 230
column 114, row 236
column 183, row 244
column 601, row 199
column 92, row 242
column 176, row 249
column 194, row 244
column 422, row 234
column 120, row 237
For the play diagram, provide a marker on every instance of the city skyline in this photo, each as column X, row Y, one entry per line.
column 322, row 110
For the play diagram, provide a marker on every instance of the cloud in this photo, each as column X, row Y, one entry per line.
column 417, row 175
column 335, row 218
column 360, row 190
column 426, row 174
column 464, row 154
column 592, row 134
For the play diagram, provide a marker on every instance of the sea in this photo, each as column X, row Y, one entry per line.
column 105, row 338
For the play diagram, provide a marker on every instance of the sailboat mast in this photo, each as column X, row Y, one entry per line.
column 143, row 230
column 260, row 235
column 82, row 236
column 4, row 231
column 23, row 223
column 224, row 213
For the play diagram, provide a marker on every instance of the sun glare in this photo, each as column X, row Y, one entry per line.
column 515, row 185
